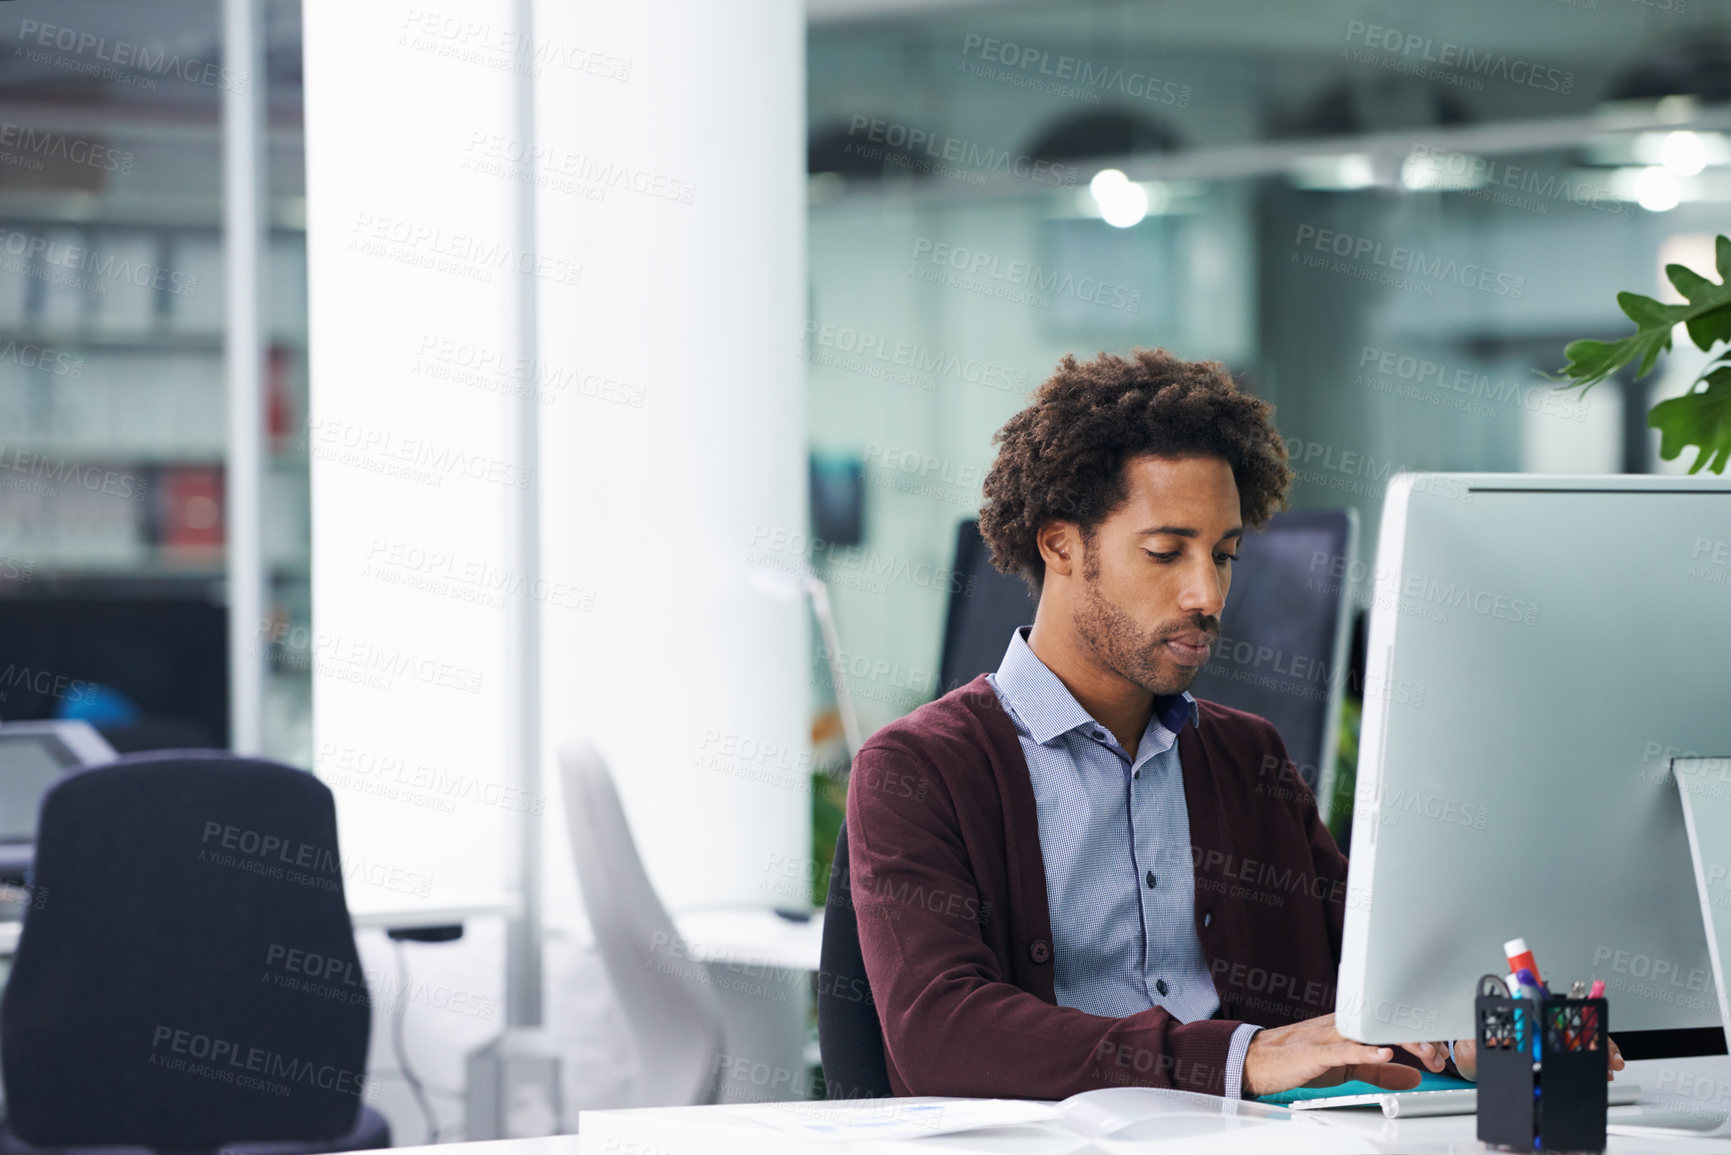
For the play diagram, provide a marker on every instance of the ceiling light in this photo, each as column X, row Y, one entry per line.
column 1683, row 153
column 1122, row 202
column 1352, row 170
column 1657, row 189
column 1438, row 173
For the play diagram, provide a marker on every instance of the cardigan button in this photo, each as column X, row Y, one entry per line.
column 1040, row 950
column 1207, row 917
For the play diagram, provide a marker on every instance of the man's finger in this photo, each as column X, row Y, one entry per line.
column 1347, row 1054
column 1432, row 1055
column 1335, row 1059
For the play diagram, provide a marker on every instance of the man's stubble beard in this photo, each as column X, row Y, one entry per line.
column 1118, row 643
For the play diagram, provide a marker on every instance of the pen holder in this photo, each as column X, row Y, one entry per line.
column 1541, row 1072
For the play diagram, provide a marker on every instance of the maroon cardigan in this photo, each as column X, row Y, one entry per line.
column 950, row 890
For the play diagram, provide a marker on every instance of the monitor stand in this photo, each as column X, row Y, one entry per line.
column 1704, row 785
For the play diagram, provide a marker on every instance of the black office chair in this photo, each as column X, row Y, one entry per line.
column 187, row 977
column 848, row 1033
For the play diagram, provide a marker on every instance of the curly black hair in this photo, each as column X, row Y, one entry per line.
column 1062, row 458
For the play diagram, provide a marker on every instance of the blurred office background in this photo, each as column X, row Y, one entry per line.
column 1385, row 218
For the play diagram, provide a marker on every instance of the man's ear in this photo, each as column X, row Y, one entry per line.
column 1060, row 545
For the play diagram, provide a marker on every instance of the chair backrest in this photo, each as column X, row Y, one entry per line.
column 672, row 1010
column 187, row 973
column 848, row 1032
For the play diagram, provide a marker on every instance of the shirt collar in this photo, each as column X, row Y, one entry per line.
column 1048, row 709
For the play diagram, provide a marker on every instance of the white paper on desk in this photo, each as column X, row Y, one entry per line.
column 1125, row 1120
column 1108, row 1111
column 890, row 1119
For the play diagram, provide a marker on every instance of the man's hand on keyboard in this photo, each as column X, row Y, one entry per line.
column 1313, row 1054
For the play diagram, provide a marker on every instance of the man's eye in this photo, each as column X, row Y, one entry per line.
column 1225, row 557
column 1161, row 556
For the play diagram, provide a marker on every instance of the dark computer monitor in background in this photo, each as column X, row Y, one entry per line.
column 985, row 608
column 1283, row 634
column 148, row 673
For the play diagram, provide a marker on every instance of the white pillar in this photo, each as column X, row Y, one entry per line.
column 668, row 163
column 521, row 684
column 243, row 199
column 410, row 261
column 672, row 160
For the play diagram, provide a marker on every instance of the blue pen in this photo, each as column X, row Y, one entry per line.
column 1530, row 989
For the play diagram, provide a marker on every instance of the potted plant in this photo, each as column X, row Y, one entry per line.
column 1702, row 416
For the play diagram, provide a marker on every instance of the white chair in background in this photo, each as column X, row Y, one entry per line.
column 673, row 1014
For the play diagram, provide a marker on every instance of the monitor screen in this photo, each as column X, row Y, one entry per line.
column 149, row 673
column 986, row 607
column 1281, row 634
column 29, row 765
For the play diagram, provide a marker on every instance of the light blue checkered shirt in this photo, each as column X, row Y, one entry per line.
column 1115, row 837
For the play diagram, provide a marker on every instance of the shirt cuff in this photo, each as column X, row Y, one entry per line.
column 1235, row 1052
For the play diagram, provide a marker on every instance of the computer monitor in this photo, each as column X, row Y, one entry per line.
column 1282, row 653
column 33, row 757
column 1283, row 634
column 986, row 607
column 160, row 661
column 1540, row 648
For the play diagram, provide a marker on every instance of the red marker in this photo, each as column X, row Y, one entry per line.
column 1520, row 955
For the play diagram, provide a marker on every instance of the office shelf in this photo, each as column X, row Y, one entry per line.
column 154, row 342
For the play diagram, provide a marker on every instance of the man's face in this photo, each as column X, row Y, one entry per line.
column 1154, row 577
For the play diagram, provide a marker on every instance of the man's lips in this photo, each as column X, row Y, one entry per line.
column 1191, row 648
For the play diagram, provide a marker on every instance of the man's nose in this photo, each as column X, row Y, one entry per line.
column 1204, row 591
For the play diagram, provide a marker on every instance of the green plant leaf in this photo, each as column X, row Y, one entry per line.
column 1701, row 419
column 1705, row 328
column 1646, row 312
column 1707, row 316
column 1592, row 361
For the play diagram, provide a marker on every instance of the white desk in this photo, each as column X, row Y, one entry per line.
column 1699, row 1084
column 389, row 912
column 405, row 912
column 740, row 937
column 751, row 936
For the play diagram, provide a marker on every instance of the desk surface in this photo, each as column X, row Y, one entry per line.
column 745, row 936
column 391, row 912
column 1683, row 1084
column 751, row 936
column 400, row 912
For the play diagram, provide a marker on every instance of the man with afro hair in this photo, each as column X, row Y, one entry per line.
column 1064, row 873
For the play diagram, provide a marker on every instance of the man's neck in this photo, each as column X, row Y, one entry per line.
column 1117, row 704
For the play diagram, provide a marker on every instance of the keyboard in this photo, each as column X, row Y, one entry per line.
column 1416, row 1104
